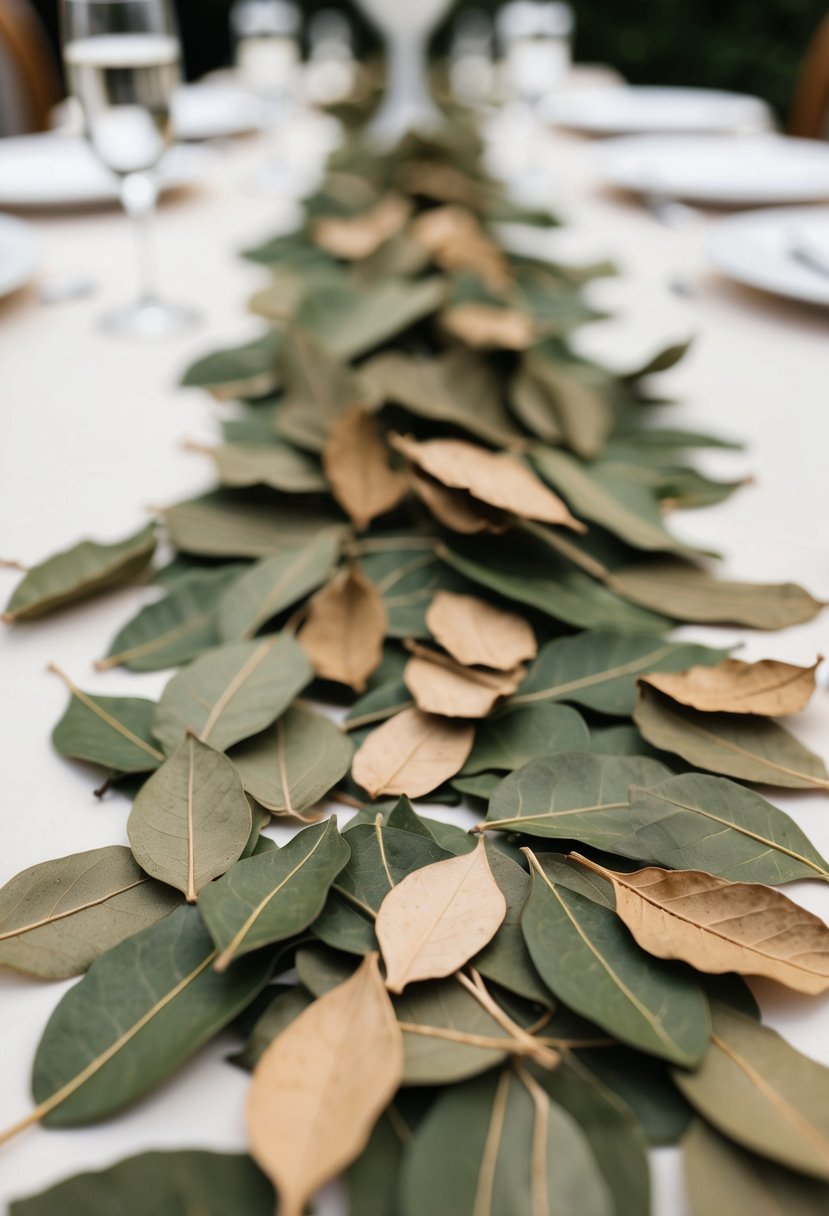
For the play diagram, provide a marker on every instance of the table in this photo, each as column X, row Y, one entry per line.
column 92, row 437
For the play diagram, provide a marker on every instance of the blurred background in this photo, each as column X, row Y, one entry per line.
column 742, row 45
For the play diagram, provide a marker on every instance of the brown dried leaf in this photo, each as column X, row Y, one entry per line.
column 320, row 1087
column 456, row 509
column 495, row 478
column 438, row 918
column 412, row 753
column 718, row 926
column 356, row 463
column 456, row 241
column 485, row 325
column 344, row 632
column 770, row 687
column 475, row 631
column 358, row 236
column 439, row 685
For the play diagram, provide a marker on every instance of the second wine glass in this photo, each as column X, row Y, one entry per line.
column 123, row 63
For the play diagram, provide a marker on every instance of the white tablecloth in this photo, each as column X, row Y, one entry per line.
column 91, row 437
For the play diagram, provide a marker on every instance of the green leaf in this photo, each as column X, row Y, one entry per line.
column 274, row 583
column 586, row 956
column 191, row 820
column 318, row 387
column 498, row 1145
column 57, row 917
column 597, row 492
column 756, row 1089
column 724, row 1180
column 620, row 740
column 373, row 1177
column 273, row 896
column 516, row 736
column 535, row 576
column 238, row 371
column 379, row 704
column 506, row 960
column 456, row 389
column 232, row 692
column 599, row 669
column 175, row 629
column 286, row 1006
column 692, row 594
column 694, row 822
column 572, row 796
column 408, row 579
column 86, row 569
column 644, row 1084
column 274, row 464
column 164, row 1183
column 612, row 1129
column 351, row 319
column 577, row 400
column 294, row 763
column 140, row 1012
column 250, row 524
column 115, row 732
column 737, row 745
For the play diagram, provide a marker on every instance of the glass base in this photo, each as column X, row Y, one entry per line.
column 150, row 320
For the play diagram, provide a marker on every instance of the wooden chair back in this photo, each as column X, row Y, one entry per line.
column 28, row 58
column 809, row 114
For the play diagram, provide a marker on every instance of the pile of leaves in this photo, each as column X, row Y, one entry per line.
column 433, row 512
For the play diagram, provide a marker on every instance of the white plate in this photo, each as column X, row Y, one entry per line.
column 214, row 111
column 630, row 110
column 19, row 248
column 743, row 171
column 56, row 170
column 772, row 250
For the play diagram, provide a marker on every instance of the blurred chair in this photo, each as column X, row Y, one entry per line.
column 809, row 114
column 29, row 81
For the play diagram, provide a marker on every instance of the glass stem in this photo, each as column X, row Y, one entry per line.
column 139, row 194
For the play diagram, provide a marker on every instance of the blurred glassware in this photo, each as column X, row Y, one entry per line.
column 331, row 72
column 407, row 104
column 535, row 40
column 123, row 64
column 266, row 40
column 471, row 66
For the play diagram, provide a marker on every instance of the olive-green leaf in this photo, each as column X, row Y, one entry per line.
column 77, row 573
column 232, row 692
column 294, row 763
column 724, row 1180
column 758, row 1090
column 586, row 957
column 238, row 371
column 599, row 669
column 243, row 524
column 140, row 1012
column 285, row 1007
column 499, row 1146
column 736, row 745
column 175, row 629
column 506, row 960
column 516, row 736
column 267, row 898
column 351, row 319
column 408, row 578
column 115, row 732
column 692, row 594
column 57, row 917
column 165, row 1183
column 695, row 822
column 268, row 464
column 577, row 397
column 644, row 1084
column 572, row 796
column 191, row 820
column 274, row 583
column 318, row 388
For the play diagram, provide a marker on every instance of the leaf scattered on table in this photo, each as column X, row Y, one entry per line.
column 528, row 732
column 116, row 732
column 770, row 688
column 345, row 628
column 412, row 753
column 276, row 465
column 477, row 632
column 487, row 325
column 439, row 685
column 359, row 236
column 356, row 463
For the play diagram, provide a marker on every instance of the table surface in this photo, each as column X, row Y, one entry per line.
column 92, row 437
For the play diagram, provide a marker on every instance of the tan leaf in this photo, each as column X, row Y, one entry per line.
column 474, row 631
column 356, row 463
column 344, row 632
column 358, row 236
column 457, row 241
column 486, row 325
column 456, row 509
column 438, row 918
column 718, row 926
column 439, row 685
column 412, row 753
column 770, row 687
column 321, row 1085
column 493, row 477
column 441, row 182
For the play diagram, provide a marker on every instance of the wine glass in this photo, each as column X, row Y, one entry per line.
column 123, row 63
column 407, row 105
